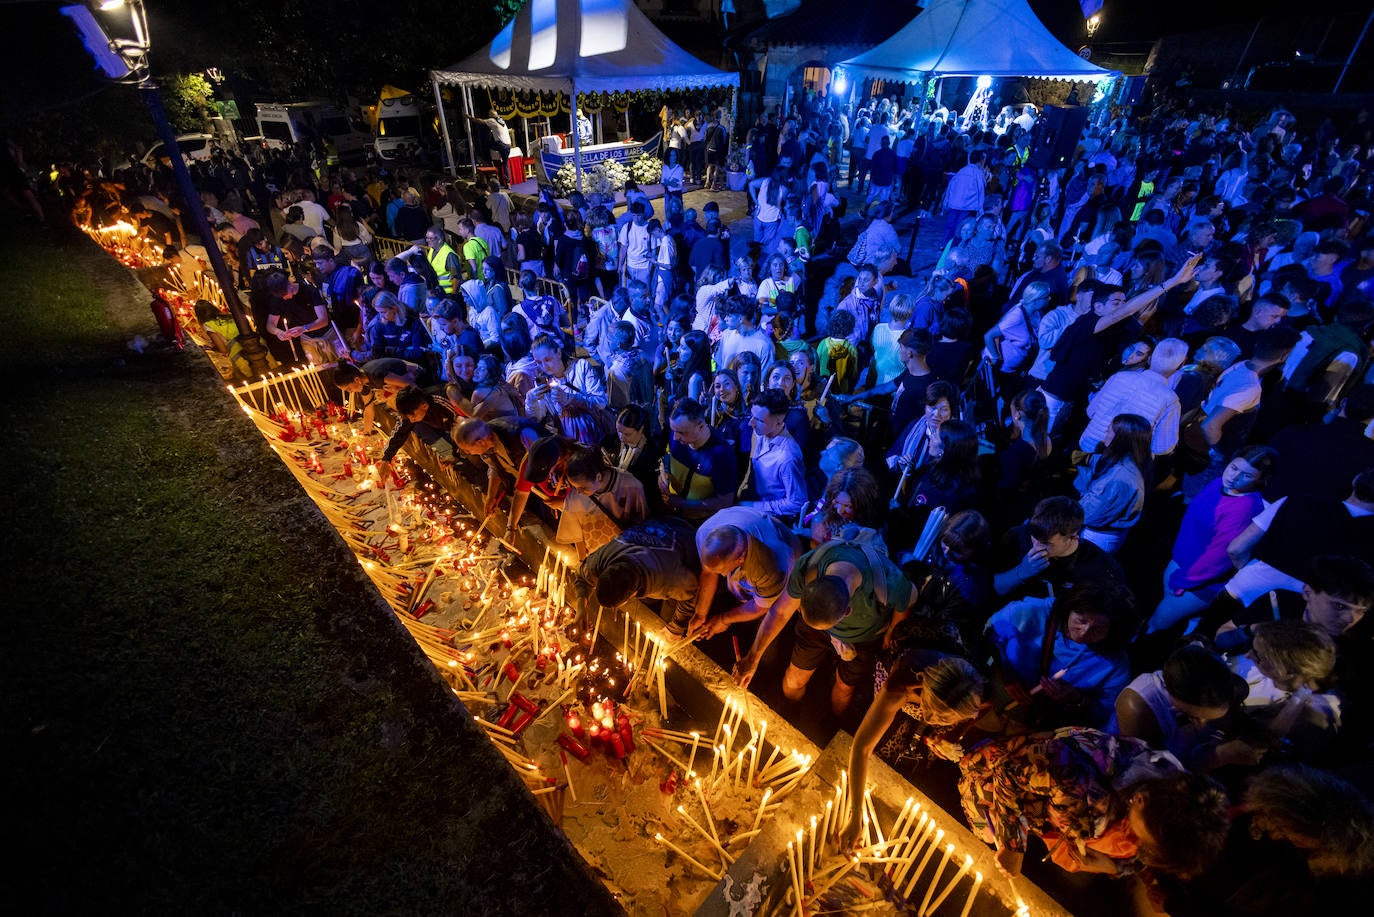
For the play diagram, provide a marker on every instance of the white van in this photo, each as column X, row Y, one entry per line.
column 398, row 127
column 195, row 147
column 284, row 124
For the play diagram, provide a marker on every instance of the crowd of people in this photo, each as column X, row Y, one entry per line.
column 1091, row 515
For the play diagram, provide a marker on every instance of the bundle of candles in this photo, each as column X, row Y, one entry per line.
column 913, row 863
column 126, row 244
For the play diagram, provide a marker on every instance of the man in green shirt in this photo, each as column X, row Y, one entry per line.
column 852, row 597
column 475, row 250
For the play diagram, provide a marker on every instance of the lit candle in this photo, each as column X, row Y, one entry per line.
column 724, row 712
column 763, row 804
column 930, row 889
column 972, row 893
column 963, row 871
column 696, row 737
column 663, row 692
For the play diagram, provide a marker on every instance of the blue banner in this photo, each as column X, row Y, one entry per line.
column 621, row 152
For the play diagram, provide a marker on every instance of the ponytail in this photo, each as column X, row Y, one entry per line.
column 1032, row 404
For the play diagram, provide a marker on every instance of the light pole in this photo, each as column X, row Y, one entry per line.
column 125, row 60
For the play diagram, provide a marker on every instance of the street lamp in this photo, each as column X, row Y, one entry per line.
column 1094, row 21
column 125, row 59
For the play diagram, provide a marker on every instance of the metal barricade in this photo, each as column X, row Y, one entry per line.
column 545, row 286
column 385, row 248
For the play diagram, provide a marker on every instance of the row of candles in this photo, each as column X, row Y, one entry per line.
column 295, row 414
column 905, row 854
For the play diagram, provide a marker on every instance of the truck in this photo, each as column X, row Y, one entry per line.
column 396, row 124
column 284, row 124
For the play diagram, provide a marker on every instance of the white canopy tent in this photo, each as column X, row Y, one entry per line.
column 997, row 38
column 577, row 46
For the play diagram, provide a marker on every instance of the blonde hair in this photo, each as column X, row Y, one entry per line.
column 1295, row 649
column 902, row 307
column 955, row 684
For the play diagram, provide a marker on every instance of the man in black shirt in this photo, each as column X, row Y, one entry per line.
column 297, row 314
column 1081, row 353
column 1319, row 459
column 428, row 418
column 1052, row 556
column 656, row 559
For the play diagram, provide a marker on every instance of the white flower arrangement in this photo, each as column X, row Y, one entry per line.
column 647, row 169
column 604, row 178
column 565, row 180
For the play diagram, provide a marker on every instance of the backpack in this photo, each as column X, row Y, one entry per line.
column 609, row 244
column 581, row 266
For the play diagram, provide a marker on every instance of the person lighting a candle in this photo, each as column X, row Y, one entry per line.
column 941, row 694
column 753, row 551
column 429, row 417
column 852, row 598
column 379, row 379
column 656, row 559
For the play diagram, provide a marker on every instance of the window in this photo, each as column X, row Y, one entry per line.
column 276, row 130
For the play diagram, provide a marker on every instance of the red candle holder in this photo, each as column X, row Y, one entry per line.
column 526, row 717
column 617, row 744
column 575, row 725
column 573, row 747
column 510, row 671
column 626, row 733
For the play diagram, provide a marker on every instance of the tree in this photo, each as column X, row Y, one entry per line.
column 187, row 97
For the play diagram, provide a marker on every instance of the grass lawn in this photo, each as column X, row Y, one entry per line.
column 206, row 707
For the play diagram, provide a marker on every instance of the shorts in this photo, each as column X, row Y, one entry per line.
column 879, row 193
column 813, row 647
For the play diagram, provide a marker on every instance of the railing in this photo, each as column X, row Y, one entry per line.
column 547, row 286
column 385, row 248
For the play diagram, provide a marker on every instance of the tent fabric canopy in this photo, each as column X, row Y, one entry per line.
column 998, row 38
column 826, row 23
column 556, row 45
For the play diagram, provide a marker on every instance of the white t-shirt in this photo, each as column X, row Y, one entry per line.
column 314, row 215
column 766, row 212
column 636, row 242
column 1238, row 388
